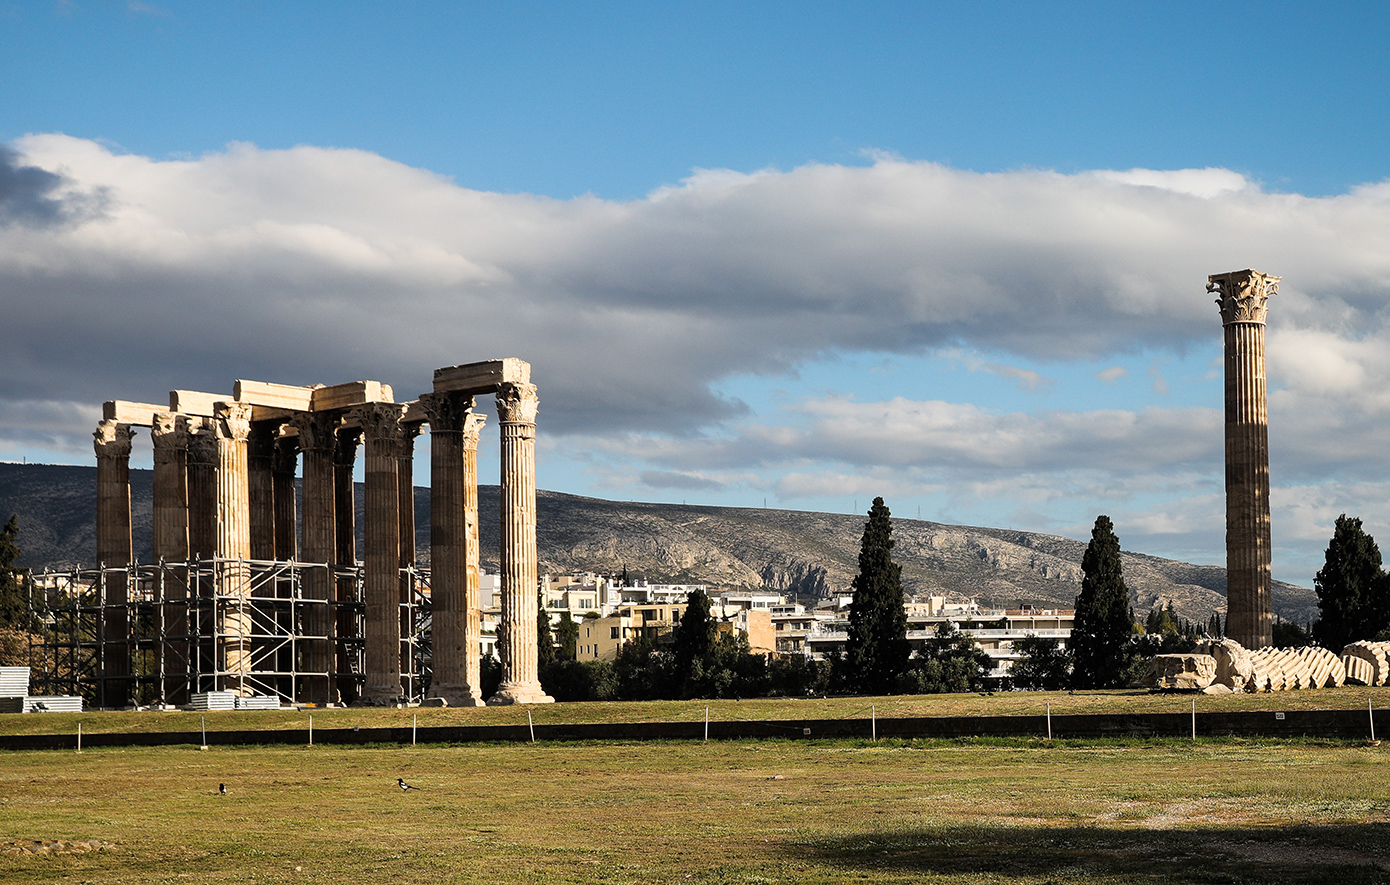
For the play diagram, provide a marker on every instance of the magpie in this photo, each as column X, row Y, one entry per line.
column 222, row 789
column 403, row 785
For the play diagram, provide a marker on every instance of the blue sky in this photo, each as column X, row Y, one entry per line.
column 802, row 253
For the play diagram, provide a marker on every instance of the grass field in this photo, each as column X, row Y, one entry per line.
column 1215, row 811
column 1001, row 704
column 691, row 812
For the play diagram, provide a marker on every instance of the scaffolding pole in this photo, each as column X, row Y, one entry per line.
column 211, row 625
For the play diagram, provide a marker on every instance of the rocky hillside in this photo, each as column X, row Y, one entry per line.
column 804, row 554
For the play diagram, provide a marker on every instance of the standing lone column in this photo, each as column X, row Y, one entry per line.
column 112, row 444
column 452, row 681
column 384, row 438
column 1243, row 296
column 516, row 411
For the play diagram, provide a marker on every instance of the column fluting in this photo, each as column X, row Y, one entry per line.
column 112, row 444
column 169, row 435
column 318, row 439
column 384, row 438
column 516, row 410
column 449, row 601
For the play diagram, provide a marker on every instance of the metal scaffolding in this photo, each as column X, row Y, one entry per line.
column 211, row 625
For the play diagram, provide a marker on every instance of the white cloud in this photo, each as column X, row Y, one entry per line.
column 1026, row 379
column 125, row 276
column 1205, row 183
column 313, row 264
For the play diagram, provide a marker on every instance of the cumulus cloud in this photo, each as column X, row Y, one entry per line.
column 126, row 276
column 36, row 197
column 312, row 264
column 1026, row 379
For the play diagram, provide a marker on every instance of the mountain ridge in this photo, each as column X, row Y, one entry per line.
column 804, row 554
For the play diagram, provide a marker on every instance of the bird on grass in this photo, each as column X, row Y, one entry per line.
column 400, row 782
column 222, row 789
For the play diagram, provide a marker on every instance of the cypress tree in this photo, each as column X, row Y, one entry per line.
column 545, row 639
column 695, row 636
column 1100, row 636
column 877, row 651
column 1351, row 588
column 14, row 611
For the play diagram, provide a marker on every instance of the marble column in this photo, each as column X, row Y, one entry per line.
column 1243, row 297
column 169, row 434
column 384, row 438
column 232, row 425
column 202, row 490
column 283, row 463
column 473, row 571
column 202, row 547
column 449, row 416
column 260, row 485
column 516, row 639
column 317, row 439
column 410, row 614
column 112, row 444
column 346, row 636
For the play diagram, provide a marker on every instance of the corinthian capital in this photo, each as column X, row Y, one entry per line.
column 517, row 403
column 233, row 420
column 1243, row 295
column 317, row 433
column 447, row 412
column 381, row 422
column 472, row 429
column 169, row 433
column 112, row 440
column 202, row 441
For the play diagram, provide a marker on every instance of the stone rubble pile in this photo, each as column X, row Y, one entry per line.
column 1217, row 666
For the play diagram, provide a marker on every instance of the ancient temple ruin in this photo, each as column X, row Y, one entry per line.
column 238, row 600
column 1243, row 296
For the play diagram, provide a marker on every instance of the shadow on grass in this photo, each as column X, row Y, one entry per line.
column 1349, row 854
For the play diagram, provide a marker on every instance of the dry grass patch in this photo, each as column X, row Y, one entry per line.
column 999, row 704
column 693, row 812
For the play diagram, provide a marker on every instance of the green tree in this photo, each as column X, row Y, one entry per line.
column 1287, row 634
column 1102, row 652
column 876, row 651
column 951, row 662
column 14, row 609
column 1043, row 664
column 545, row 640
column 567, row 635
column 1351, row 588
column 695, row 634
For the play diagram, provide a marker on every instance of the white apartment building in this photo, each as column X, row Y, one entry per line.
column 994, row 630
